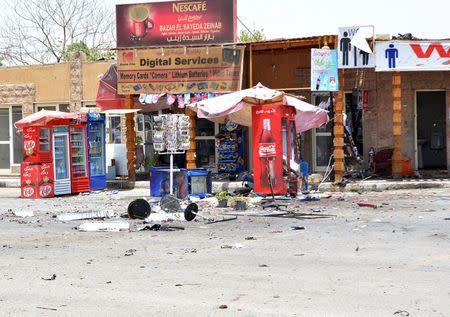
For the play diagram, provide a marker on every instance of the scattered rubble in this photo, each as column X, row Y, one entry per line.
column 110, row 226
column 51, row 278
column 24, row 213
column 86, row 215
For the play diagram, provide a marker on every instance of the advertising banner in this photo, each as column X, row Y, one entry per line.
column 349, row 55
column 176, row 23
column 324, row 70
column 412, row 56
column 180, row 70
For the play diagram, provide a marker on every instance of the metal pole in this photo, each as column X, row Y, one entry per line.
column 332, row 132
column 171, row 173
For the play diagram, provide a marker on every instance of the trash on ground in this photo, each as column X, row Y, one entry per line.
column 367, row 205
column 46, row 308
column 224, row 219
column 263, row 265
column 51, row 278
column 190, row 250
column 130, row 252
column 402, row 313
column 235, row 246
column 110, row 226
column 297, row 228
column 165, row 217
column 312, row 197
column 223, row 307
column 159, row 227
column 86, row 215
column 139, row 209
column 24, row 213
column 446, row 218
column 250, row 238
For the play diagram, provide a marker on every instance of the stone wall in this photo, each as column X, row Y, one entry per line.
column 19, row 94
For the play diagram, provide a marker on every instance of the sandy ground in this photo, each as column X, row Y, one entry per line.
column 361, row 262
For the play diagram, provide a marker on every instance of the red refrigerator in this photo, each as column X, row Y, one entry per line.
column 79, row 158
column 37, row 144
column 274, row 148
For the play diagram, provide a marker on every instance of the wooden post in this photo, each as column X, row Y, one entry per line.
column 338, row 130
column 191, row 153
column 130, row 139
column 250, row 67
column 397, row 124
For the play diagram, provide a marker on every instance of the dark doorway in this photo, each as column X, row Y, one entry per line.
column 431, row 136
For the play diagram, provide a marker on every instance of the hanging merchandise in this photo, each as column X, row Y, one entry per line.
column 180, row 99
column 149, row 98
column 187, row 98
column 155, row 98
column 170, row 99
column 142, row 98
column 171, row 132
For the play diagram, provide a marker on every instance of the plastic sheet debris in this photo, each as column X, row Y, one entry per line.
column 24, row 213
column 109, row 226
column 86, row 215
column 163, row 217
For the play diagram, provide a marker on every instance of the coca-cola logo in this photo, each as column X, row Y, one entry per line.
column 45, row 190
column 27, row 171
column 28, row 191
column 266, row 111
column 266, row 150
column 30, row 130
column 27, row 136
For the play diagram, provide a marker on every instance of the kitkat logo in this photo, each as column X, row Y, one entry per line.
column 45, row 190
column 28, row 191
column 424, row 51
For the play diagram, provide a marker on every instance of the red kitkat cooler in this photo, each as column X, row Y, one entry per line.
column 274, row 147
column 36, row 180
column 46, row 180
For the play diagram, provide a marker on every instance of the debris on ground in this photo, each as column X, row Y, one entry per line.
column 402, row 313
column 130, row 252
column 109, row 226
column 159, row 227
column 51, row 278
column 250, row 238
column 312, row 197
column 24, row 213
column 223, row 307
column 190, row 250
column 263, row 265
column 86, row 215
column 235, row 246
column 369, row 205
column 139, row 209
column 46, row 308
column 297, row 228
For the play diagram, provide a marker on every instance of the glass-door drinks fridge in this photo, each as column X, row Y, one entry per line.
column 80, row 174
column 61, row 160
column 97, row 157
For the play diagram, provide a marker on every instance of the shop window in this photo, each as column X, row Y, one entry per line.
column 64, row 107
column 205, row 132
column 113, row 129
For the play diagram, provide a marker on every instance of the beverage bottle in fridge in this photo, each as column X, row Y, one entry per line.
column 267, row 153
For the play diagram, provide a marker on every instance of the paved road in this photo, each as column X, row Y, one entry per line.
column 361, row 262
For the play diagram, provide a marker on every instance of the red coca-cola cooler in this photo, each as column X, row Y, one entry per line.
column 79, row 168
column 37, row 180
column 37, row 144
column 274, row 148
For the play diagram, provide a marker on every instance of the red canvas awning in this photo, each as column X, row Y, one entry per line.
column 43, row 117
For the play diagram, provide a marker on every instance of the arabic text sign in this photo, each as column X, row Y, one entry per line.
column 176, row 23
column 350, row 56
column 324, row 70
column 412, row 56
column 180, row 70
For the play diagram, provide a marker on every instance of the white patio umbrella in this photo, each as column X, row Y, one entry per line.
column 236, row 107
